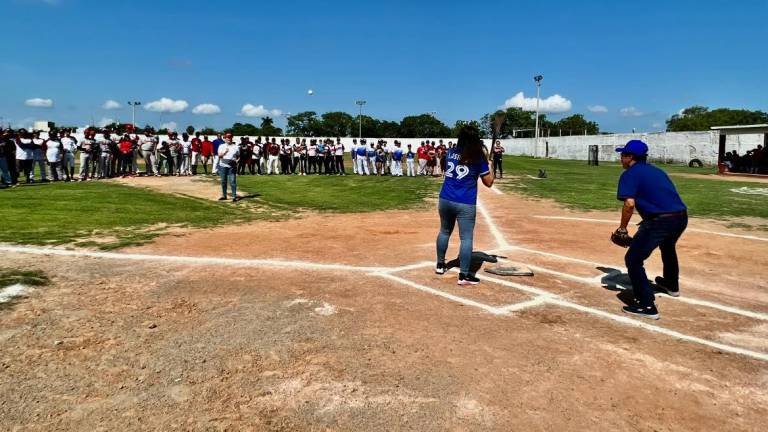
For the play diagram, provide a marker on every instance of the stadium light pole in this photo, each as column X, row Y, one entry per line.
column 538, row 79
column 133, row 105
column 360, row 119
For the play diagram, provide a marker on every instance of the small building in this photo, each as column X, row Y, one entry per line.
column 725, row 131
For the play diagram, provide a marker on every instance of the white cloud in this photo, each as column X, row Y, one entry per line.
column 249, row 110
column 206, row 109
column 167, row 105
column 597, row 108
column 631, row 112
column 105, row 121
column 552, row 104
column 39, row 103
column 171, row 126
column 657, row 125
column 111, row 105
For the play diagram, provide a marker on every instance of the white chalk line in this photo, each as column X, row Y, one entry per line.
column 549, row 298
column 303, row 265
column 606, row 221
column 500, row 240
column 12, row 291
column 656, row 329
column 538, row 301
column 465, row 301
column 599, row 279
column 496, row 191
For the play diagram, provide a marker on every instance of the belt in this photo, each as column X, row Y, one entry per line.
column 667, row 215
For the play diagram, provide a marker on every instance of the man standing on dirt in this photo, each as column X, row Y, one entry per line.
column 216, row 143
column 229, row 154
column 665, row 217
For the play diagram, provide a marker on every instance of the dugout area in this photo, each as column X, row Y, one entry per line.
column 336, row 322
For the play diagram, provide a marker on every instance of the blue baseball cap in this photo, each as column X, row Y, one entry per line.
column 635, row 147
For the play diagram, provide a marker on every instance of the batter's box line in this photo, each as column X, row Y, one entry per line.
column 599, row 281
column 547, row 298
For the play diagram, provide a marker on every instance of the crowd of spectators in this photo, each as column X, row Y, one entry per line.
column 754, row 161
column 31, row 157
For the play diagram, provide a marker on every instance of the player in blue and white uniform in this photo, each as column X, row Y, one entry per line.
column 397, row 160
column 458, row 199
column 361, row 159
column 410, row 161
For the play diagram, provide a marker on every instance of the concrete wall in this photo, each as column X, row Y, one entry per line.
column 671, row 147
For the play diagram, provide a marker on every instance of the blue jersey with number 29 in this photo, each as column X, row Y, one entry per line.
column 460, row 183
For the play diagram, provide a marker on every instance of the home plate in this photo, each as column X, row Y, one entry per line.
column 510, row 270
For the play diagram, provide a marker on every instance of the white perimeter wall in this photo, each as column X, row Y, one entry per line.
column 672, row 147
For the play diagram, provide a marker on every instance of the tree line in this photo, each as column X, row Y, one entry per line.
column 517, row 123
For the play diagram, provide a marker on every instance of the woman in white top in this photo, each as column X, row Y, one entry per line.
column 228, row 153
column 54, row 155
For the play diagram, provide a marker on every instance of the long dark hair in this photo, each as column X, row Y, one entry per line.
column 470, row 145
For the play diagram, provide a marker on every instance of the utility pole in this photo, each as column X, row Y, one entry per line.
column 538, row 79
column 133, row 105
column 360, row 119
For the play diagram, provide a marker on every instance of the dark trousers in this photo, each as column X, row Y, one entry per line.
column 497, row 166
column 26, row 167
column 294, row 164
column 312, row 165
column 285, row 164
column 661, row 232
column 340, row 164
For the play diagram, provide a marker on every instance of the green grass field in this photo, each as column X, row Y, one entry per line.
column 108, row 215
column 343, row 194
column 117, row 215
column 579, row 186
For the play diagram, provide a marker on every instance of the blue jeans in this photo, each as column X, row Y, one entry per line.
column 231, row 174
column 5, row 176
column 450, row 212
column 661, row 232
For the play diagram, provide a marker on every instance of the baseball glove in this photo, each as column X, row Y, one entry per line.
column 621, row 238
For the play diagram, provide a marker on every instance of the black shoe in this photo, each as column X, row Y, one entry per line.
column 666, row 287
column 649, row 312
column 465, row 279
column 234, row 199
column 222, row 198
column 440, row 268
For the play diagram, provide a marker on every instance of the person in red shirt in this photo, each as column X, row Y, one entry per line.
column 206, row 151
column 423, row 154
column 195, row 147
column 126, row 155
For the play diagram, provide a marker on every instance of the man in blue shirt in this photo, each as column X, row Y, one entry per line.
column 216, row 143
column 649, row 190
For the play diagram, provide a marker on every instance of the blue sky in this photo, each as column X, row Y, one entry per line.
column 640, row 61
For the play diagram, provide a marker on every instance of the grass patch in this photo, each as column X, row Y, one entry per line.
column 10, row 277
column 87, row 213
column 579, row 186
column 342, row 194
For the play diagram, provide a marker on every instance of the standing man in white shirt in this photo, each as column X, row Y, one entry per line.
column 147, row 146
column 39, row 157
column 229, row 154
column 54, row 155
column 69, row 144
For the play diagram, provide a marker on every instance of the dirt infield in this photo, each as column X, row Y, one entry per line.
column 336, row 322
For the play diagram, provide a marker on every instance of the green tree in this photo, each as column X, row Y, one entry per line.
column 699, row 118
column 575, row 125
column 461, row 123
column 190, row 130
column 423, row 126
column 244, row 129
column 268, row 127
column 388, row 129
column 336, row 123
column 208, row 131
column 303, row 124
